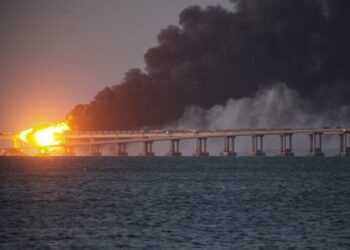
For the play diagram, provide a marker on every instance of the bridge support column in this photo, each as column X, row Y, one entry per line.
column 229, row 146
column 18, row 143
column 344, row 149
column 68, row 151
column 95, row 150
column 147, row 150
column 201, row 147
column 174, row 148
column 257, row 145
column 315, row 144
column 286, row 145
column 121, row 149
column 43, row 151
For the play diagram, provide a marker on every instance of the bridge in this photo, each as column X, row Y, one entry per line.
column 96, row 139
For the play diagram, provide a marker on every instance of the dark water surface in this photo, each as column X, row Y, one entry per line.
column 174, row 203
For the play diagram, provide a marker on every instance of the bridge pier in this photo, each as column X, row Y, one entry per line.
column 229, row 146
column 201, row 147
column 121, row 149
column 68, row 151
column 344, row 149
column 286, row 148
column 95, row 150
column 147, row 150
column 174, row 148
column 43, row 151
column 257, row 145
column 18, row 143
column 315, row 144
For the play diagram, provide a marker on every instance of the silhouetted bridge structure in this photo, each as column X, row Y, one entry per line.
column 96, row 139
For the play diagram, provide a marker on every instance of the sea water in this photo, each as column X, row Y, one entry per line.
column 174, row 203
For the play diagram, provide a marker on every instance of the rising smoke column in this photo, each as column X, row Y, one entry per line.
column 216, row 54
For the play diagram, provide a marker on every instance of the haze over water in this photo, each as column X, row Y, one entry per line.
column 173, row 203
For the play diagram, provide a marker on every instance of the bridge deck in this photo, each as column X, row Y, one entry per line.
column 110, row 137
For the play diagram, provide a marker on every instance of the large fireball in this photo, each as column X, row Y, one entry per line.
column 46, row 135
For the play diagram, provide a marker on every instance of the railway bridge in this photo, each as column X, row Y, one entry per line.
column 96, row 139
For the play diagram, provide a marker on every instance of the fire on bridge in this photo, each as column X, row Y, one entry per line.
column 69, row 140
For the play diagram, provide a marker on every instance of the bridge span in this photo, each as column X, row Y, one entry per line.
column 95, row 139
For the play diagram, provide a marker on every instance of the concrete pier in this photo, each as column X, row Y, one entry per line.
column 147, row 149
column 18, row 143
column 286, row 145
column 95, row 150
column 315, row 144
column 174, row 148
column 43, row 151
column 68, row 151
column 121, row 149
column 229, row 146
column 344, row 149
column 257, row 145
column 201, row 149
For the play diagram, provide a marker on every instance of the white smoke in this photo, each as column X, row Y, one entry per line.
column 274, row 107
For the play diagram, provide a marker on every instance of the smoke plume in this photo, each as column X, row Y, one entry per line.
column 215, row 55
column 273, row 107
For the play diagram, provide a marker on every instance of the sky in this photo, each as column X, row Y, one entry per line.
column 57, row 54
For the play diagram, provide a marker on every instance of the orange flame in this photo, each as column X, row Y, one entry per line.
column 45, row 136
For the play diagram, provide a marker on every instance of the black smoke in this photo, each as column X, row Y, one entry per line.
column 216, row 54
